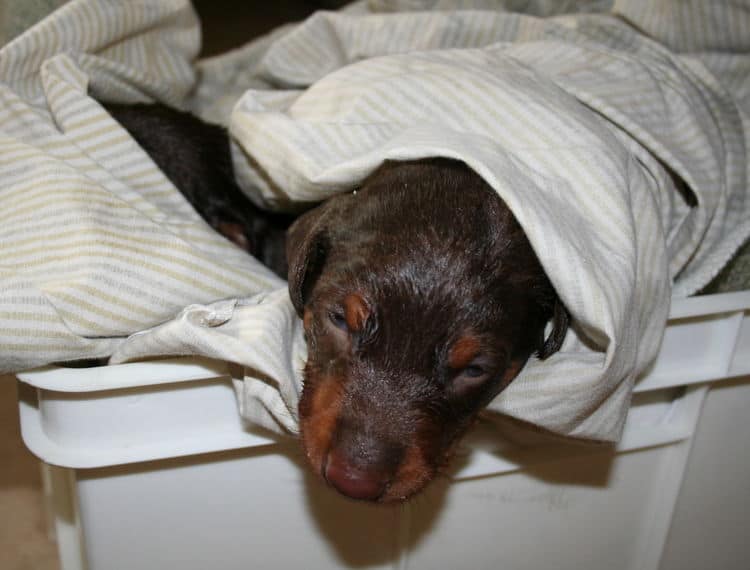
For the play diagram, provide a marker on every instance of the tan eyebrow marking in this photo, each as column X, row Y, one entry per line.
column 463, row 351
column 356, row 311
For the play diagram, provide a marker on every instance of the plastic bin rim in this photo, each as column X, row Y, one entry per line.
column 128, row 375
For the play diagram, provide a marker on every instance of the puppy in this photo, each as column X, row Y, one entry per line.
column 421, row 299
column 420, row 294
column 195, row 156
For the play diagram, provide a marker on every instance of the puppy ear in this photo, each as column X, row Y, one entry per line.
column 560, row 322
column 306, row 249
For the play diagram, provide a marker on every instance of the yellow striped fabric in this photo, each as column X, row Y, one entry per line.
column 95, row 243
column 591, row 131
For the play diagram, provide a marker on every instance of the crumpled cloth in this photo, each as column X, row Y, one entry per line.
column 624, row 159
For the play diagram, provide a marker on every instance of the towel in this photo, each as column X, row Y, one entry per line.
column 623, row 158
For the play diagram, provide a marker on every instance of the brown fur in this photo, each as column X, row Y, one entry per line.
column 422, row 299
column 420, row 295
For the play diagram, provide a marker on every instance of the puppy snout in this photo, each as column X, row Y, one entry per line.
column 359, row 465
column 363, row 482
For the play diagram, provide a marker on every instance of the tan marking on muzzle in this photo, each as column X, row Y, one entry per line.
column 412, row 475
column 319, row 422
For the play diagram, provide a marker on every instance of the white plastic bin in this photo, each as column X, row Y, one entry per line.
column 157, row 471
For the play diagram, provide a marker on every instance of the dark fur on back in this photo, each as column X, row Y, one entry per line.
column 196, row 158
column 422, row 299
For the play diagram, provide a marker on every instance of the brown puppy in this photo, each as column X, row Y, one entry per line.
column 195, row 156
column 422, row 299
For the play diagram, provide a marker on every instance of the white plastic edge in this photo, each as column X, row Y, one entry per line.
column 130, row 375
column 677, row 425
column 709, row 305
column 41, row 445
column 186, row 369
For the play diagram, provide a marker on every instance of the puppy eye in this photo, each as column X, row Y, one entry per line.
column 338, row 320
column 468, row 378
column 473, row 371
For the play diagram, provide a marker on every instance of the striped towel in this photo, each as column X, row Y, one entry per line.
column 95, row 243
column 624, row 161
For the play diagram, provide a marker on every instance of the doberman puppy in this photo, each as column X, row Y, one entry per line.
column 420, row 294
column 422, row 299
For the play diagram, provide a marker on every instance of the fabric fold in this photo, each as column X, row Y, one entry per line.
column 625, row 163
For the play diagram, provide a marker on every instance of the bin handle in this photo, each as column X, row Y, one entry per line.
column 677, row 424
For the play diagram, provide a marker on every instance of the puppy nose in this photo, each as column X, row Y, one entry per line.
column 363, row 483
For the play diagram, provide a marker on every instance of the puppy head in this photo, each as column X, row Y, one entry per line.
column 421, row 299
